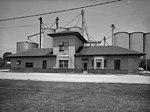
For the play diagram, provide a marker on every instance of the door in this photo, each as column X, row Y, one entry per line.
column 117, row 64
column 44, row 64
column 84, row 66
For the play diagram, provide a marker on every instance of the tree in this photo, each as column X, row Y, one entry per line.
column 6, row 54
column 2, row 62
column 6, row 60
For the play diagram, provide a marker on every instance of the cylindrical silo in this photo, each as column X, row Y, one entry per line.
column 61, row 29
column 147, row 45
column 25, row 46
column 121, row 39
column 136, row 41
column 76, row 29
column 47, row 40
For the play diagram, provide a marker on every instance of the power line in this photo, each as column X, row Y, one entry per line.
column 30, row 25
column 18, row 26
column 72, row 20
column 87, row 6
column 78, row 20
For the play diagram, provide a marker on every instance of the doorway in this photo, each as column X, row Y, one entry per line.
column 84, row 67
column 44, row 66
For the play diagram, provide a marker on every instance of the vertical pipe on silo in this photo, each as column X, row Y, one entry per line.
column 129, row 41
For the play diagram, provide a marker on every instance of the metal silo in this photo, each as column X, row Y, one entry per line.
column 61, row 29
column 136, row 41
column 77, row 29
column 121, row 39
column 25, row 46
column 147, row 45
column 47, row 40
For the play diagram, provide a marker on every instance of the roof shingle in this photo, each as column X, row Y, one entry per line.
column 106, row 50
column 34, row 52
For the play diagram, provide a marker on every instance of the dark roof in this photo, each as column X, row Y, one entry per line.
column 106, row 51
column 36, row 52
column 66, row 33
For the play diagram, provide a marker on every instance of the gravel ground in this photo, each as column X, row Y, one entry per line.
column 61, row 77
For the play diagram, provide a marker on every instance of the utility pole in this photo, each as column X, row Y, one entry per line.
column 57, row 19
column 104, row 41
column 113, row 27
column 146, row 64
column 40, row 29
column 82, row 14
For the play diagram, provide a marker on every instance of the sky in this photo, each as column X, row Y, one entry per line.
column 126, row 15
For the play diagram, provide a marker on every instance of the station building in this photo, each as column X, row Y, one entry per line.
column 71, row 53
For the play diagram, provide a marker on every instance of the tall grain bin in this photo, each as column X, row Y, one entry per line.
column 25, row 46
column 76, row 29
column 47, row 40
column 147, row 45
column 61, row 29
column 136, row 41
column 121, row 39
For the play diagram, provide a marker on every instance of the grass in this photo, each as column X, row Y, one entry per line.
column 36, row 96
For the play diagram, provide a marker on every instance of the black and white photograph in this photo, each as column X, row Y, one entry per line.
column 74, row 55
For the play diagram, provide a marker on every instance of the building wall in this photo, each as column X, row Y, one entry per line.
column 74, row 44
column 72, row 39
column 133, row 64
column 79, row 62
column 69, row 55
column 37, row 62
column 129, row 63
column 110, row 61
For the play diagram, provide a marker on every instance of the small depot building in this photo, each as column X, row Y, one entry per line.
column 70, row 55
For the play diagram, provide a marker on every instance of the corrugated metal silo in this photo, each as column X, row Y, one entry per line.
column 136, row 41
column 77, row 29
column 121, row 39
column 47, row 40
column 25, row 46
column 61, row 29
column 147, row 45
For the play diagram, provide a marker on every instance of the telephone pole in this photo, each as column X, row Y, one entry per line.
column 57, row 19
column 104, row 41
column 113, row 27
column 40, row 30
column 82, row 14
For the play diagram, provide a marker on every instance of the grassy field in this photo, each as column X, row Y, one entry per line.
column 34, row 96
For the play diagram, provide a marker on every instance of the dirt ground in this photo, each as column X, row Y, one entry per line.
column 71, row 77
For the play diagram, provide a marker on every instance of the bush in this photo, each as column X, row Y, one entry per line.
column 142, row 64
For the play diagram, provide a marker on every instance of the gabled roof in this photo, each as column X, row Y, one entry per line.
column 106, row 51
column 36, row 52
column 66, row 33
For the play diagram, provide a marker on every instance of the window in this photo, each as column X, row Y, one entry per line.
column 85, row 59
column 63, row 63
column 98, row 63
column 63, row 46
column 117, row 64
column 105, row 63
column 29, row 65
column 18, row 62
